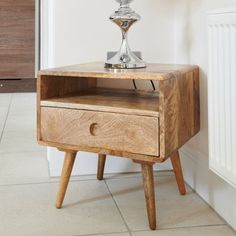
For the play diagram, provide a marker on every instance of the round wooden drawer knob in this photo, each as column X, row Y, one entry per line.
column 93, row 129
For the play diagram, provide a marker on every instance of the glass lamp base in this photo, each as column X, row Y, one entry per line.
column 125, row 61
column 124, row 66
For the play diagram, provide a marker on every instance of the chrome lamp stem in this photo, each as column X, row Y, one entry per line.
column 125, row 17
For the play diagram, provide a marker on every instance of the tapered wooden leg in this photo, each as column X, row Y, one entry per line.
column 148, row 183
column 65, row 176
column 175, row 159
column 101, row 165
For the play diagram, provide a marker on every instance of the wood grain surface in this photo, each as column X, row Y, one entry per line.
column 100, row 150
column 54, row 86
column 17, row 39
column 75, row 115
column 176, row 102
column 17, row 85
column 97, row 70
column 109, row 100
column 130, row 133
column 179, row 106
column 176, row 163
column 65, row 177
column 101, row 166
column 60, row 86
column 148, row 184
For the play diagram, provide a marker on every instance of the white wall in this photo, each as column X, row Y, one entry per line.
column 220, row 195
column 82, row 32
column 181, row 31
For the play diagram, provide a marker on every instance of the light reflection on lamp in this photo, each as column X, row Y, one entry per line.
column 125, row 17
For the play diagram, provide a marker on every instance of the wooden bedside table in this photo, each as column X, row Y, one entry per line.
column 74, row 114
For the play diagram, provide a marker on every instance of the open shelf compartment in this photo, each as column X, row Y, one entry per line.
column 109, row 100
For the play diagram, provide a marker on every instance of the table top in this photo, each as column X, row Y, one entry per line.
column 97, row 70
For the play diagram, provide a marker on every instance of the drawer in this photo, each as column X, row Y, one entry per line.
column 112, row 131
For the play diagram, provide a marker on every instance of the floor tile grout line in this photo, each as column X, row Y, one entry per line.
column 126, row 225
column 130, row 231
column 21, row 152
column 55, row 180
column 4, row 125
column 158, row 230
column 194, row 191
column 101, row 233
column 25, row 152
column 132, row 177
column 48, row 182
column 181, row 227
column 141, row 230
column 114, row 178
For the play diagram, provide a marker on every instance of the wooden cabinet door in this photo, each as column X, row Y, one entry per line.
column 17, row 39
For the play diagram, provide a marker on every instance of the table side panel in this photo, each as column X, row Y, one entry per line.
column 179, row 111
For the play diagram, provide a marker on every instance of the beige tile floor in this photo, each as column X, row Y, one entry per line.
column 114, row 207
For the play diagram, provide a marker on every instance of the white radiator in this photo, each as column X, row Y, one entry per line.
column 222, row 93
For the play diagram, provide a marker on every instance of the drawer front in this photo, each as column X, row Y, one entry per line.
column 130, row 133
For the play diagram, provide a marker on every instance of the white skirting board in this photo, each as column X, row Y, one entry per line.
column 214, row 190
column 86, row 164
